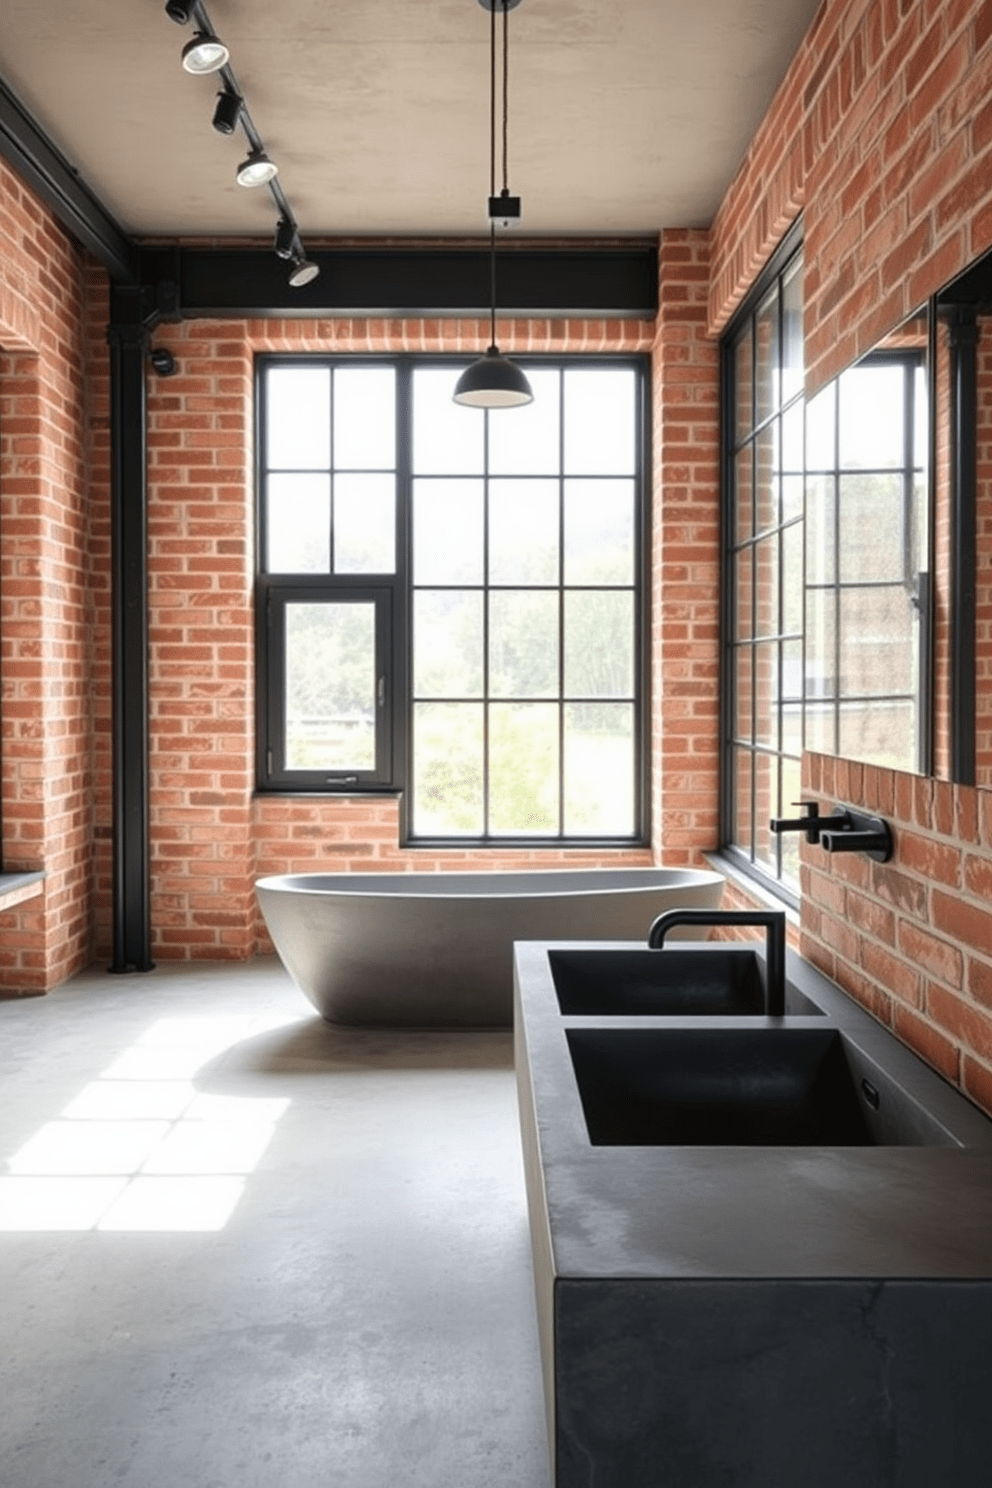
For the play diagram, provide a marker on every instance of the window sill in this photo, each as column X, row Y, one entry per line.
column 16, row 887
column 764, row 896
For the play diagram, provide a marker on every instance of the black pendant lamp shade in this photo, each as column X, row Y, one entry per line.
column 494, row 381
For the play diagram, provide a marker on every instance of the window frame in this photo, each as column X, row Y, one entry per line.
column 273, row 590
column 773, row 274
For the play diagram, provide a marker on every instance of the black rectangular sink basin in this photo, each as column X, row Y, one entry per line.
column 753, row 1087
column 722, row 982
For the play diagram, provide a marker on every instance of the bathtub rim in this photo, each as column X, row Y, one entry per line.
column 489, row 883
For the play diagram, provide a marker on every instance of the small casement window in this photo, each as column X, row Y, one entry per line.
column 450, row 602
column 329, row 693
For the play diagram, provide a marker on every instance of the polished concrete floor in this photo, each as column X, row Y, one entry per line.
column 240, row 1248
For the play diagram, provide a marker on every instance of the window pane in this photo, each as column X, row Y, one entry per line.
column 821, row 449
column 298, row 524
column 298, row 418
column 744, row 593
column 871, row 418
column 599, row 769
column 876, row 642
column 820, row 720
column 742, row 799
column 330, row 686
column 792, row 677
column 528, row 443
column 523, row 643
column 871, row 527
column 821, row 519
column 599, row 643
column 767, row 360
column 523, row 769
column 447, row 770
column 766, row 576
column 447, row 438
column 744, row 493
column 364, row 523
column 600, row 424
column 364, row 418
column 766, row 510
column 884, row 732
column 792, row 331
column 447, row 643
column 743, row 701
column 792, row 579
column 599, row 532
column 793, row 423
column 821, row 638
column 789, row 841
column 765, row 807
column 523, row 531
column 766, row 694
column 447, row 532
column 743, row 384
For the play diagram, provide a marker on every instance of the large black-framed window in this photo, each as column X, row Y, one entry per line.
column 826, row 556
column 763, row 448
column 451, row 603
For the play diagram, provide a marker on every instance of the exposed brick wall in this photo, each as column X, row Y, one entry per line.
column 881, row 132
column 685, row 555
column 210, row 838
column 45, row 621
column 910, row 939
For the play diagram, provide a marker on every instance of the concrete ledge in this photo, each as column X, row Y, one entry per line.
column 16, row 887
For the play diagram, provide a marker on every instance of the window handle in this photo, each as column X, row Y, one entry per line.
column 382, row 692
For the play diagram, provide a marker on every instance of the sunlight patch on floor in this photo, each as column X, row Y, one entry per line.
column 140, row 1148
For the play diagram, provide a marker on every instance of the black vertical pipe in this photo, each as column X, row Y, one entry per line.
column 132, row 913
column 963, row 336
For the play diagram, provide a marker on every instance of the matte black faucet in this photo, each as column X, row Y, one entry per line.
column 811, row 822
column 773, row 921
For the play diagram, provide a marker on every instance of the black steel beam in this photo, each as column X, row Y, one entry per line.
column 127, row 335
column 410, row 281
column 963, row 332
column 42, row 166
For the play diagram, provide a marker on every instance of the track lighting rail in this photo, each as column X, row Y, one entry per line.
column 231, row 110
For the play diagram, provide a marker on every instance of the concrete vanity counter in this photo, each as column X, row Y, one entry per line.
column 755, row 1314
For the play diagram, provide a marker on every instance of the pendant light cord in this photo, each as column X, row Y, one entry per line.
column 492, row 147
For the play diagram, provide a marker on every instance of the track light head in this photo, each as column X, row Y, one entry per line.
column 285, row 244
column 302, row 272
column 163, row 361
column 256, row 170
column 179, row 11
column 205, row 53
column 226, row 113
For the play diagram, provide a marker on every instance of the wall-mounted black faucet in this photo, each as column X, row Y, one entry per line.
column 811, row 822
column 772, row 919
column 846, row 830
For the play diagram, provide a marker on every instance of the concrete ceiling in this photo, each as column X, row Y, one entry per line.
column 626, row 116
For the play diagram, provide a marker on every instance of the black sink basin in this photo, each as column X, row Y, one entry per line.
column 765, row 1087
column 723, row 982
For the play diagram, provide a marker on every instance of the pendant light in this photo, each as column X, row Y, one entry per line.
column 494, row 381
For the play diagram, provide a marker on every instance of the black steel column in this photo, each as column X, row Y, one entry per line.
column 132, row 915
column 963, row 336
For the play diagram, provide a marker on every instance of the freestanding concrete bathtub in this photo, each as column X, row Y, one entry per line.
column 421, row 950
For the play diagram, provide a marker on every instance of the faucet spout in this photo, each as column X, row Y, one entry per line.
column 773, row 921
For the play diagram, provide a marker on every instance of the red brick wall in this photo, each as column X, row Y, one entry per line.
column 685, row 556
column 881, row 132
column 46, row 658
column 210, row 838
column 910, row 939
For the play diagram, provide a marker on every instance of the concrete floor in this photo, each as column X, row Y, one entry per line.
column 240, row 1248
